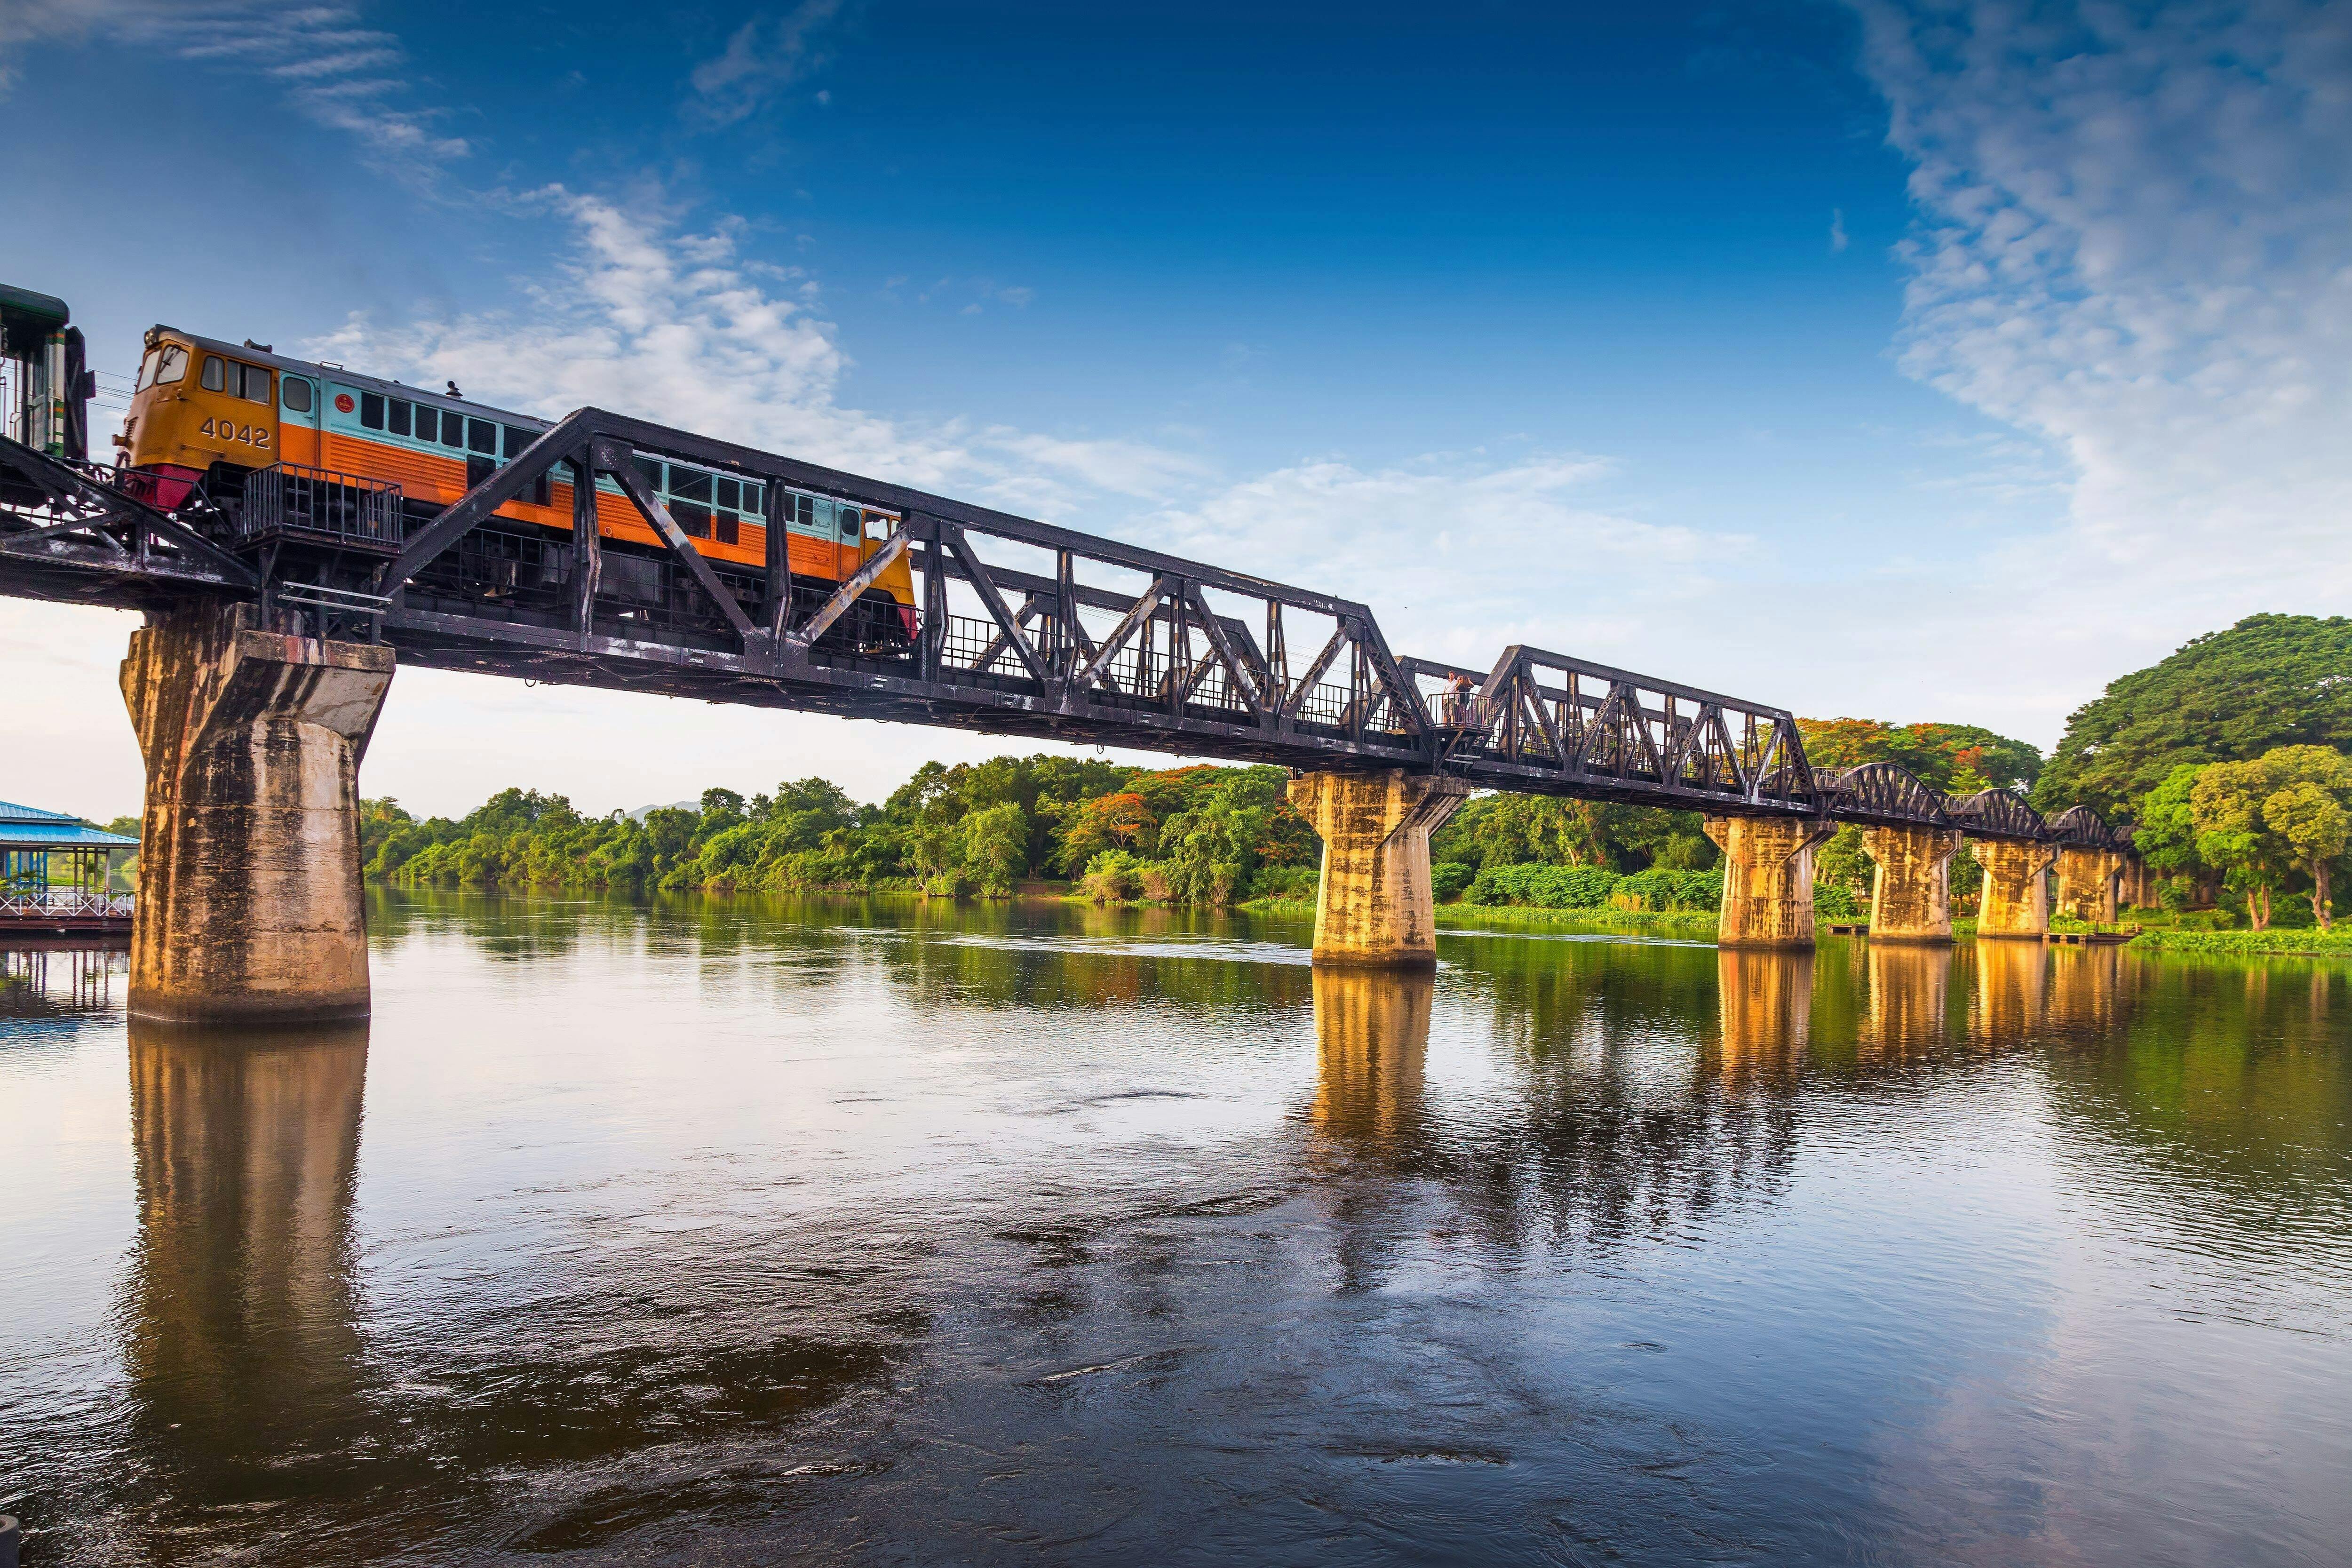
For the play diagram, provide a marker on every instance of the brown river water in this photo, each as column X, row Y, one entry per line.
column 740, row 1232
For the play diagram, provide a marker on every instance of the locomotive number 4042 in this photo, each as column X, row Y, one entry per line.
column 229, row 430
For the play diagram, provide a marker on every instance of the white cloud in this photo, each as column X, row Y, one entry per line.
column 322, row 53
column 1837, row 229
column 2131, row 243
column 680, row 328
column 762, row 58
column 1458, row 555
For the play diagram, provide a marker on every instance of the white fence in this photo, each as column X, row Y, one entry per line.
column 54, row 903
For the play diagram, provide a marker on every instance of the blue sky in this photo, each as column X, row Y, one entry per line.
column 1938, row 361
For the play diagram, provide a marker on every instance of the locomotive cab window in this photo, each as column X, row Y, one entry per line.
column 164, row 363
column 247, row 381
column 851, row 524
column 295, row 393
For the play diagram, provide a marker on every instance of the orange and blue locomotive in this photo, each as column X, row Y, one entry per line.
column 207, row 417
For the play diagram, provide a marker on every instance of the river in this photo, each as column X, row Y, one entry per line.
column 740, row 1232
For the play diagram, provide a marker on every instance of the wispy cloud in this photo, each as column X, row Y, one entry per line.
column 328, row 63
column 1837, row 229
column 682, row 327
column 762, row 58
column 2131, row 245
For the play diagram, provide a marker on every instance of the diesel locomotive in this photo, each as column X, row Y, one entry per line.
column 210, row 422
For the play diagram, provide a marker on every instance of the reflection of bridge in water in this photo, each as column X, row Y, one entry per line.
column 1619, row 1093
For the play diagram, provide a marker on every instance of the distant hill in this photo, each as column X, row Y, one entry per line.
column 639, row 815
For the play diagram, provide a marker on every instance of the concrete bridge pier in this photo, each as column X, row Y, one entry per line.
column 1373, row 906
column 1911, row 894
column 1767, row 879
column 2015, row 901
column 249, row 900
column 2086, row 883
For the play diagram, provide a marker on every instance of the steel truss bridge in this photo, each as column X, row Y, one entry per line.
column 1023, row 628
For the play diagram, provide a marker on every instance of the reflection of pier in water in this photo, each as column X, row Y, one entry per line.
column 239, row 1324
column 61, row 982
column 1583, row 1144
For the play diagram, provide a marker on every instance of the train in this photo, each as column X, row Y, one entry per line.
column 206, row 416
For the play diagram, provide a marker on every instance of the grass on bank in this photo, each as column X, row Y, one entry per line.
column 2309, row 942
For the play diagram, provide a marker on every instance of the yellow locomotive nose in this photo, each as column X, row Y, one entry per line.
column 193, row 407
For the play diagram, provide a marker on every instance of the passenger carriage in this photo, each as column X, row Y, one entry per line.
column 282, row 446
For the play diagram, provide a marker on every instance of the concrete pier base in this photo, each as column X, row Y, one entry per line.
column 1373, row 907
column 2015, row 900
column 1767, row 879
column 1911, row 894
column 2086, row 883
column 249, row 899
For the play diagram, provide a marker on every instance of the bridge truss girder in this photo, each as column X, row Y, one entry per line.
column 1170, row 672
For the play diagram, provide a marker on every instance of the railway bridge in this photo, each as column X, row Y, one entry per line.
column 274, row 620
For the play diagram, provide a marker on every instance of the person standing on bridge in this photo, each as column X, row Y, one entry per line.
column 1458, row 701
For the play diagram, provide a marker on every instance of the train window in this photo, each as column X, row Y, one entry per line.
column 428, row 422
column 752, row 499
column 727, row 529
column 695, row 520
column 517, row 439
column 482, row 437
column 257, row 384
column 689, row 484
column 216, row 374
column 453, row 428
column 397, row 417
column 651, row 469
column 853, row 522
column 806, row 512
column 295, row 393
column 371, row 410
column 730, row 494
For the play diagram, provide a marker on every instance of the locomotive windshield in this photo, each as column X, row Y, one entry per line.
column 164, row 362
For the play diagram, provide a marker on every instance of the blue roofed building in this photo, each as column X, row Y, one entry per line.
column 58, row 875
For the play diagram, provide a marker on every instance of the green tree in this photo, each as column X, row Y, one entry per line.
column 2232, row 695
column 1959, row 757
column 2287, row 810
column 996, row 846
column 2165, row 835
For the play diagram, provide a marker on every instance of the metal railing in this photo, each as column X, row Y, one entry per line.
column 52, row 903
column 320, row 503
